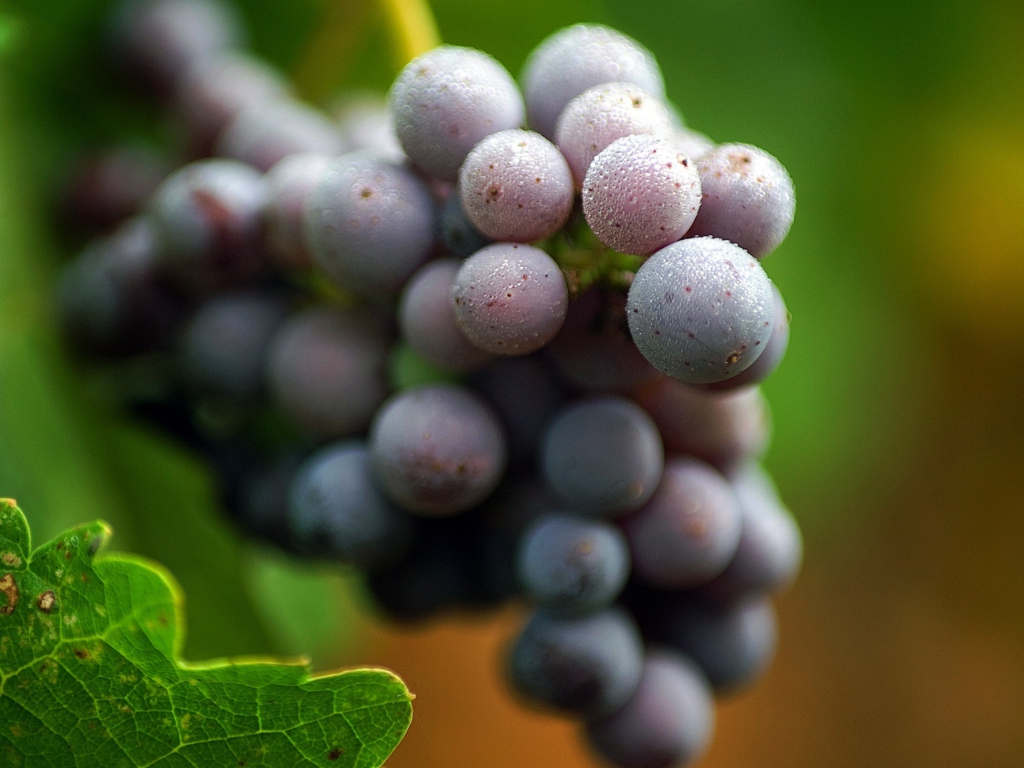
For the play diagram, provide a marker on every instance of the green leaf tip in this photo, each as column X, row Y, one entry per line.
column 89, row 675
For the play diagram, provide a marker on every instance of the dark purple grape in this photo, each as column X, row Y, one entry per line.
column 223, row 349
column 437, row 450
column 769, row 359
column 447, row 100
column 208, row 221
column 603, row 456
column 594, row 351
column 668, row 723
column 689, row 530
column 288, row 184
column 602, row 114
column 640, row 194
column 365, row 124
column 260, row 506
column 572, row 566
column 748, row 198
column 158, row 39
column 110, row 298
column 510, row 299
column 587, row 666
column 111, row 185
column 264, row 134
column 427, row 319
column 368, row 224
column 733, row 645
column 327, row 370
column 770, row 549
column 212, row 92
column 459, row 235
column 515, row 186
column 724, row 429
column 335, row 511
column 579, row 57
column 526, row 396
column 701, row 310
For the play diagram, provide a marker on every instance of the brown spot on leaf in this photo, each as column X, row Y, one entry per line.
column 81, row 654
column 46, row 601
column 9, row 588
column 335, row 753
column 11, row 560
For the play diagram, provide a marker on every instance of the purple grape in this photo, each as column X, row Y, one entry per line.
column 365, row 124
column 516, row 186
column 288, row 185
column 260, row 503
column 724, row 429
column 427, row 319
column 770, row 548
column 446, row 101
column 701, row 310
column 573, row 566
column 208, row 220
column 748, row 198
column 335, row 510
column 212, row 92
column 437, row 450
column 579, row 57
column 732, row 645
column 689, row 530
column 526, row 396
column 459, row 234
column 594, row 351
column 327, row 370
column 587, row 666
column 224, row 346
column 368, row 224
column 603, row 456
column 667, row 723
column 110, row 298
column 159, row 39
column 770, row 358
column 640, row 194
column 692, row 143
column 602, row 114
column 264, row 134
column 510, row 299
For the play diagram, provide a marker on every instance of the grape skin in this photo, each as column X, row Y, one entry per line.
column 668, row 722
column 365, row 124
column 437, row 450
column 576, row 58
column 516, row 186
column 446, row 101
column 510, row 299
column 368, row 224
column 770, row 358
column 264, row 134
column 701, row 310
column 588, row 666
column 748, row 198
column 603, row 456
column 602, row 114
column 640, row 194
column 288, row 185
column 460, row 235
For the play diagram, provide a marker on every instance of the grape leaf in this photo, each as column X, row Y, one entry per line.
column 89, row 675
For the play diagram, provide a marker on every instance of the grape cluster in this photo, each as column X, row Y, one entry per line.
column 481, row 342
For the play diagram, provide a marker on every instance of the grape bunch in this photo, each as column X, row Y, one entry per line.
column 484, row 341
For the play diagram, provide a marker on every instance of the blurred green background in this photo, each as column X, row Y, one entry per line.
column 899, row 424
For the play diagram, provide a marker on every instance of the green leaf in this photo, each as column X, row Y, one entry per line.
column 89, row 675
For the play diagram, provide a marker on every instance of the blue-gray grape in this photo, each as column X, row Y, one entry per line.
column 510, row 299
column 579, row 57
column 437, row 450
column 587, row 665
column 748, row 198
column 516, row 186
column 288, row 185
column 459, row 234
column 701, row 310
column 573, row 566
column 689, row 530
column 603, row 456
column 447, row 100
column 770, row 358
column 640, row 193
column 365, row 124
column 335, row 511
column 368, row 224
column 668, row 722
column 602, row 114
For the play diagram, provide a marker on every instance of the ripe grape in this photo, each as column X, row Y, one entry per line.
column 460, row 235
column 772, row 355
column 288, row 185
